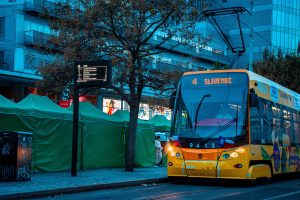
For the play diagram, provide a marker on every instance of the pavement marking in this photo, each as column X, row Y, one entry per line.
column 174, row 194
column 283, row 195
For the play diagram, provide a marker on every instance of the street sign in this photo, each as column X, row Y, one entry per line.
column 86, row 74
column 93, row 73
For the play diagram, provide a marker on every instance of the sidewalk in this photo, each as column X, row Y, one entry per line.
column 47, row 184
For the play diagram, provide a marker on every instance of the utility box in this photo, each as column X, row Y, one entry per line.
column 15, row 156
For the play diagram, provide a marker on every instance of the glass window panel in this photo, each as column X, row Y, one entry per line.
column 294, row 42
column 290, row 20
column 275, row 38
column 278, row 39
column 294, row 21
column 286, row 19
column 274, row 17
column 2, row 26
column 281, row 18
column 2, row 62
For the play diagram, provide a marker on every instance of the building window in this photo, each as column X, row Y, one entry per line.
column 2, row 26
column 2, row 63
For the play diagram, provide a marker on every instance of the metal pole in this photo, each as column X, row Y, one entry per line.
column 251, row 38
column 75, row 124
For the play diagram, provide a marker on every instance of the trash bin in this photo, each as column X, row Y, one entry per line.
column 15, row 156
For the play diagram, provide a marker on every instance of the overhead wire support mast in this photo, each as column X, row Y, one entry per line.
column 211, row 16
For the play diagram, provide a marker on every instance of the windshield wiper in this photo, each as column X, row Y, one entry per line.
column 237, row 119
column 219, row 130
column 199, row 105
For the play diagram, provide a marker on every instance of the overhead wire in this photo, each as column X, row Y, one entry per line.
column 244, row 23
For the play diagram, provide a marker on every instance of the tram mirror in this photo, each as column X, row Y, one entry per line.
column 172, row 100
column 253, row 100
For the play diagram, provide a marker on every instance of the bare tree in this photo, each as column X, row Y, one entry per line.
column 130, row 33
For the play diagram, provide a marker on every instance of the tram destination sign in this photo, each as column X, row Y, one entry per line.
column 93, row 73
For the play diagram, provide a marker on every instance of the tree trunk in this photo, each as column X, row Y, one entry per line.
column 130, row 150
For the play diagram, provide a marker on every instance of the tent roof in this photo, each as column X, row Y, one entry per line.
column 89, row 110
column 7, row 106
column 42, row 106
column 161, row 123
column 4, row 102
column 124, row 115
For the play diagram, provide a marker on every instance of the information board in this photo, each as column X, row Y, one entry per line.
column 93, row 73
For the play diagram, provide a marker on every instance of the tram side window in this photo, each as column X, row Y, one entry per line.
column 277, row 126
column 259, row 123
column 288, row 136
column 297, row 130
column 255, row 127
column 183, row 122
column 265, row 123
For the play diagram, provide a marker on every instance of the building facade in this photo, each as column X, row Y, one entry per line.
column 22, row 30
column 24, row 33
column 274, row 25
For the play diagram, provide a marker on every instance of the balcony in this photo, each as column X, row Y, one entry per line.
column 39, row 39
column 37, row 6
column 4, row 66
column 33, row 62
column 192, row 51
column 35, row 38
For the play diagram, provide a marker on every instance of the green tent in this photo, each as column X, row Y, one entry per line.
column 52, row 133
column 7, row 106
column 89, row 112
column 102, row 136
column 161, row 123
column 12, row 117
column 124, row 115
column 42, row 106
column 145, row 140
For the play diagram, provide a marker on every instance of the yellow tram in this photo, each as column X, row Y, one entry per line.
column 233, row 124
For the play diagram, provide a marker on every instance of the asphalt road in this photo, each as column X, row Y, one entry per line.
column 279, row 189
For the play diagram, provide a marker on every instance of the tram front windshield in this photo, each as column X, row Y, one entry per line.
column 209, row 107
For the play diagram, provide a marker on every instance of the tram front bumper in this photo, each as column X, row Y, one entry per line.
column 206, row 169
column 190, row 168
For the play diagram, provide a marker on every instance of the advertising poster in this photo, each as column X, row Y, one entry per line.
column 110, row 106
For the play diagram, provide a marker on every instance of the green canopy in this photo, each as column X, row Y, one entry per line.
column 102, row 136
column 7, row 106
column 161, row 123
column 124, row 115
column 145, row 140
column 88, row 111
column 42, row 106
column 51, row 128
column 12, row 117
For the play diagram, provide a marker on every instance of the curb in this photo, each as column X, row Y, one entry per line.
column 88, row 188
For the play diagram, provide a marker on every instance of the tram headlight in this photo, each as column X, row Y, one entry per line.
column 172, row 153
column 240, row 150
column 170, row 148
column 230, row 155
column 226, row 155
column 234, row 154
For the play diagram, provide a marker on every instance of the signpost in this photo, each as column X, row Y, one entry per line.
column 86, row 74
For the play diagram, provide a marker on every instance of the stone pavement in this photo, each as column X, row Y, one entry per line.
column 47, row 184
